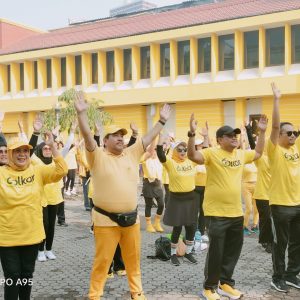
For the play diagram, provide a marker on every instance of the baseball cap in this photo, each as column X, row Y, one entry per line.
column 17, row 144
column 198, row 142
column 178, row 143
column 111, row 129
column 227, row 130
column 2, row 141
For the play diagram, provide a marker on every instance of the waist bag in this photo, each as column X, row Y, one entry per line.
column 122, row 219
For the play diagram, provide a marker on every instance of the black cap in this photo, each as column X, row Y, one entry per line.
column 2, row 141
column 227, row 130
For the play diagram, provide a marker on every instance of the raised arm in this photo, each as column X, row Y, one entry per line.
column 249, row 132
column 275, row 115
column 37, row 127
column 69, row 140
column 134, row 134
column 159, row 149
column 81, row 107
column 163, row 118
column 262, row 126
column 192, row 154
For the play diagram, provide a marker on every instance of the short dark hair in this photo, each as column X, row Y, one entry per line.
column 283, row 124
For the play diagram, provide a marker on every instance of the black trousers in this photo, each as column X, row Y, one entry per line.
column 167, row 194
column 189, row 233
column 18, row 266
column 265, row 227
column 70, row 179
column 61, row 209
column 286, row 231
column 148, row 206
column 201, row 219
column 49, row 216
column 226, row 241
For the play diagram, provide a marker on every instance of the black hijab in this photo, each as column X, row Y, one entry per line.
column 39, row 154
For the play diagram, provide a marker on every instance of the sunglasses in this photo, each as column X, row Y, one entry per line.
column 3, row 151
column 46, row 148
column 295, row 133
column 182, row 150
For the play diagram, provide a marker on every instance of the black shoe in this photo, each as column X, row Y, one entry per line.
column 293, row 281
column 268, row 248
column 88, row 209
column 279, row 285
column 63, row 224
column 175, row 260
column 190, row 258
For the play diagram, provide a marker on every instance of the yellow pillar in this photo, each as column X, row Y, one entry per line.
column 42, row 75
column 214, row 56
column 28, row 77
column 262, row 49
column 70, row 71
column 193, row 58
column 288, row 48
column 238, row 52
column 173, row 61
column 136, row 64
column 86, row 70
column 101, row 68
column 56, row 76
column 3, row 80
column 119, row 66
column 14, row 78
column 240, row 112
column 154, row 62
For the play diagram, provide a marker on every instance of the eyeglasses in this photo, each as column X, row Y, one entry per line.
column 182, row 150
column 46, row 148
column 3, row 151
column 295, row 133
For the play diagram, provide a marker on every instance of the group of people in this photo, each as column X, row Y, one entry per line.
column 196, row 186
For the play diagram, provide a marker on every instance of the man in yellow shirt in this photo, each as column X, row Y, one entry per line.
column 222, row 204
column 283, row 151
column 115, row 177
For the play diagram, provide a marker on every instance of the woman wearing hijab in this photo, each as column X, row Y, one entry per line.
column 21, row 223
column 182, row 207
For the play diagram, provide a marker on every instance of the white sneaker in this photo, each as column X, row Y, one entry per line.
column 199, row 246
column 203, row 246
column 68, row 192
column 204, row 238
column 41, row 256
column 50, row 255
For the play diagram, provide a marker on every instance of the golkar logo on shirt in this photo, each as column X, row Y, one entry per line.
column 231, row 163
column 20, row 180
column 291, row 157
column 184, row 168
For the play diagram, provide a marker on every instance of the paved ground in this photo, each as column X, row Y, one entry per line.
column 67, row 277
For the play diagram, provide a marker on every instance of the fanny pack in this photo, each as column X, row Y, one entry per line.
column 122, row 219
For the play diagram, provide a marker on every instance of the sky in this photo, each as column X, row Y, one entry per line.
column 51, row 14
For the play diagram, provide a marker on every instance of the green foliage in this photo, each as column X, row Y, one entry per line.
column 66, row 113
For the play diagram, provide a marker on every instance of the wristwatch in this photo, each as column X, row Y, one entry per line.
column 191, row 134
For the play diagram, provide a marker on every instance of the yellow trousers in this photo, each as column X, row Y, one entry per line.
column 250, row 203
column 106, row 241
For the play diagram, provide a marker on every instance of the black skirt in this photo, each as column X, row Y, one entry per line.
column 152, row 189
column 182, row 209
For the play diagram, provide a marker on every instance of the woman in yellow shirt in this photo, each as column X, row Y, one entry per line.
column 21, row 220
column 182, row 207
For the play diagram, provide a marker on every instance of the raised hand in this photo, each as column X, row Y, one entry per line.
column 193, row 123
column 276, row 91
column 49, row 140
column 134, row 128
column 80, row 103
column 55, row 131
column 204, row 132
column 37, row 124
column 21, row 127
column 165, row 113
column 263, row 123
column 74, row 126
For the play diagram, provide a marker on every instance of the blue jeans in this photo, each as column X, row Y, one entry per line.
column 85, row 188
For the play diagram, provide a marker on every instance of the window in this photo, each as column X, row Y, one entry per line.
column 204, row 55
column 35, row 75
column 295, row 44
column 226, row 52
column 78, row 70
column 251, row 58
column 21, row 76
column 94, row 68
column 8, row 79
column 127, row 64
column 275, row 46
column 183, row 57
column 145, row 62
column 49, row 73
column 165, row 60
column 110, row 66
column 63, row 71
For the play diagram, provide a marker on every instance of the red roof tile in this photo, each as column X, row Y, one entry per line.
column 150, row 22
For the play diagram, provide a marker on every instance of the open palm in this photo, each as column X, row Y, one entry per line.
column 80, row 103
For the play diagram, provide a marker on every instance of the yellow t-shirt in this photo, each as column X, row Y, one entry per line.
column 222, row 197
column 21, row 218
column 285, row 174
column 181, row 175
column 200, row 178
column 249, row 173
column 115, row 181
column 165, row 176
column 262, row 186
